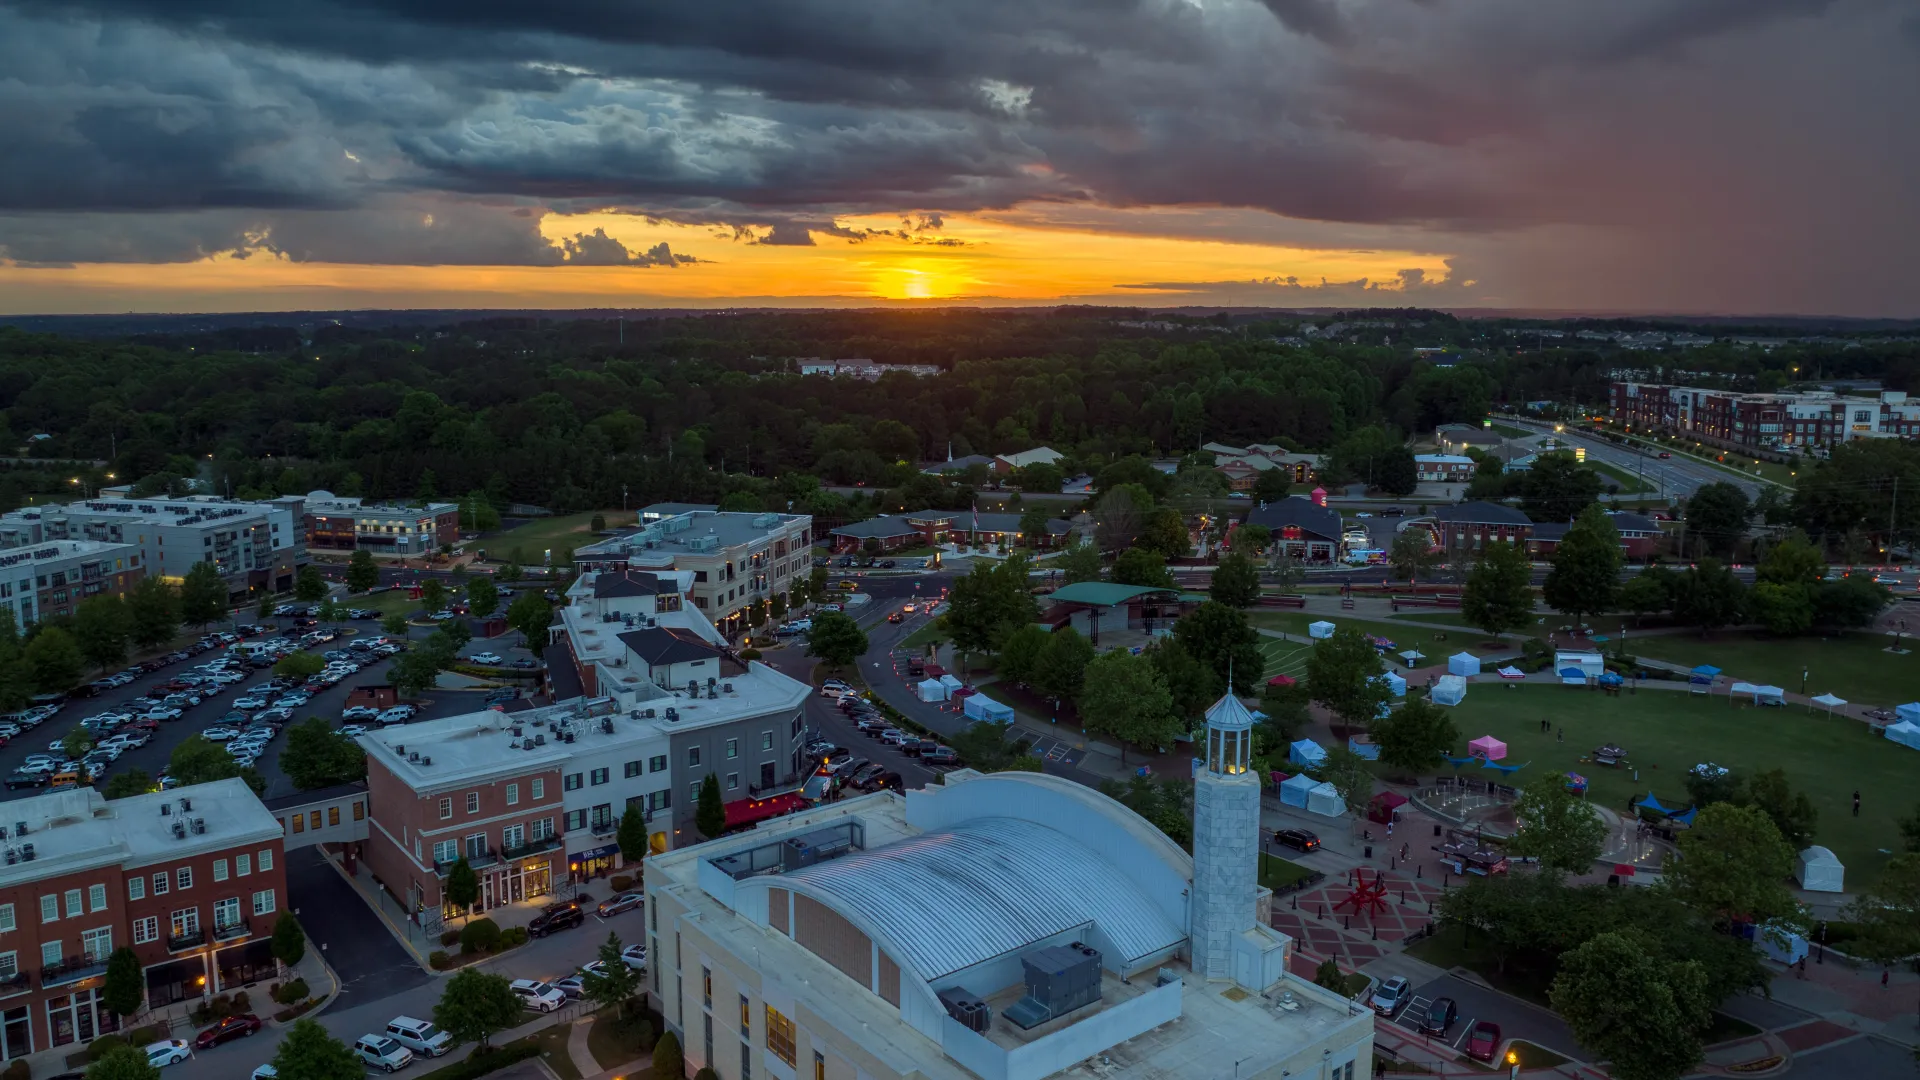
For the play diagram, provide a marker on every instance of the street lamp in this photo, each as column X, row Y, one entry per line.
column 1513, row 1065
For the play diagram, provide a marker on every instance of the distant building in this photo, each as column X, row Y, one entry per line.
column 1443, row 468
column 931, row 528
column 959, row 465
column 1458, row 437
column 735, row 559
column 346, row 523
column 1476, row 524
column 1303, row 527
column 49, row 579
column 253, row 545
column 869, row 370
column 662, row 511
column 1039, row 455
column 1777, row 422
column 1640, row 536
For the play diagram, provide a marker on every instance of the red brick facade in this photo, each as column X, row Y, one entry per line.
column 510, row 830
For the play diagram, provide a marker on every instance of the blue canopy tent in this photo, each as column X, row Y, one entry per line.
column 1572, row 676
column 1910, row 712
column 1459, row 763
column 1684, row 817
column 1394, row 683
column 1611, row 678
column 1700, row 679
column 1508, row 770
column 1307, row 752
column 1294, row 789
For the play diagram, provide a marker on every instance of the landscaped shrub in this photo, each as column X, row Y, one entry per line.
column 289, row 993
column 242, row 1003
column 621, row 883
column 17, row 1069
column 449, row 937
column 749, row 654
column 438, row 960
column 103, row 1045
column 513, row 937
column 139, row 1036
column 480, row 935
column 480, row 1064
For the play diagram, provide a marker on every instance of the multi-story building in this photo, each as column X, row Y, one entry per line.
column 254, row 545
column 734, row 559
column 1475, row 524
column 1777, row 422
column 1013, row 926
column 928, row 528
column 534, row 799
column 50, row 578
column 344, row 523
column 191, row 879
column 1443, row 468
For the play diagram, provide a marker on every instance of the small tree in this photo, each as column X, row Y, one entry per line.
column 1411, row 554
column 632, row 836
column 308, row 586
column 1124, row 696
column 530, row 615
column 433, row 594
column 362, row 574
column 123, row 1063
column 463, row 885
column 203, row 595
column 483, row 597
column 1415, row 735
column 1081, row 562
column 1144, row 567
column 265, row 608
column 155, row 609
column 1236, row 582
column 299, row 665
column 1349, row 775
column 1585, row 579
column 615, row 983
column 395, row 624
column 836, row 639
column 668, row 1062
column 1327, row 976
column 710, row 816
column 1560, row 830
column 53, row 660
column 598, row 523
column 124, row 991
column 76, row 743
column 1498, row 596
column 318, row 756
column 128, row 783
column 310, row 1053
column 475, row 1005
column 289, row 941
column 1641, row 1015
column 1733, row 862
column 1343, row 675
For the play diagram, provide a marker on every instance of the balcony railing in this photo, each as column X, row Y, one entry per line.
column 790, row 782
column 191, row 939
column 20, row 982
column 532, row 847
column 232, row 931
column 71, row 970
column 476, row 860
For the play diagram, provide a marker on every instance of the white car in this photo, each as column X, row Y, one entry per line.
column 399, row 714
column 360, row 712
column 635, row 956
column 250, row 701
column 538, row 996
column 167, row 1052
column 266, row 1072
column 162, row 714
column 219, row 734
column 834, row 688
column 486, row 658
column 352, row 730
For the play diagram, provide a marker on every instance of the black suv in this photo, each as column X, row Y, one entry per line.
column 556, row 917
column 1297, row 839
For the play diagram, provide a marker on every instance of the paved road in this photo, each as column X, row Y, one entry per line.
column 1517, row 1019
column 350, row 936
column 1865, row 1058
column 1678, row 475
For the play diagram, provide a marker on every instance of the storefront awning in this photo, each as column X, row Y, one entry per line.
column 749, row 811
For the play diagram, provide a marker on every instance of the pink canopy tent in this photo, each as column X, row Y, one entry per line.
column 1280, row 680
column 1487, row 747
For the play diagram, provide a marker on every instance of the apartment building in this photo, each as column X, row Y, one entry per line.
column 345, row 523
column 735, row 559
column 254, row 545
column 1777, row 422
column 1443, row 468
column 190, row 879
column 50, row 578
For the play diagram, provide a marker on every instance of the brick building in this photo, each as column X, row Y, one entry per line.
column 50, row 578
column 1475, row 524
column 190, row 879
column 1776, row 422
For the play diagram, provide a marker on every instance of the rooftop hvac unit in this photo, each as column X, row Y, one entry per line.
column 817, row 846
column 26, row 853
column 606, row 724
column 531, row 746
column 569, row 736
column 426, row 761
column 166, row 809
column 540, row 739
column 199, row 826
column 11, row 857
column 414, row 757
column 179, row 830
column 650, row 714
column 1060, row 979
column 729, row 688
column 186, row 804
column 673, row 715
column 19, row 828
column 962, row 1005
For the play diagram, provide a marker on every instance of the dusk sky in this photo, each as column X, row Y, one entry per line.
column 1706, row 156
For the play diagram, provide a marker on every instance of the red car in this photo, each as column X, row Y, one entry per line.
column 1484, row 1043
column 233, row 1027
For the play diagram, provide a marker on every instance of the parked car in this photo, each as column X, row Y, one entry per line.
column 1391, row 995
column 419, row 1036
column 360, row 712
column 635, row 957
column 859, row 778
column 556, row 917
column 167, row 1052
column 884, row 780
column 626, row 901
column 940, row 755
column 1441, row 1014
column 538, row 996
column 399, row 714
column 896, row 617
column 1484, row 1043
column 1297, row 839
column 382, row 1052
column 250, row 701
column 894, row 737
column 226, row 1030
column 834, row 688
column 487, row 658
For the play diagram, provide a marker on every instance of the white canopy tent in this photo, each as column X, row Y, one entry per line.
column 1827, row 702
column 1413, row 657
column 1820, row 871
column 1463, row 664
column 951, row 682
column 1320, row 630
column 1591, row 664
column 1324, row 799
column 931, row 690
column 1450, row 690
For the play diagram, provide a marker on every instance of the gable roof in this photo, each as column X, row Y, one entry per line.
column 1298, row 511
column 608, row 586
column 879, row 528
column 959, row 464
column 1483, row 513
column 663, row 645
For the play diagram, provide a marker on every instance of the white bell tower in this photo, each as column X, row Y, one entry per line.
column 1226, row 844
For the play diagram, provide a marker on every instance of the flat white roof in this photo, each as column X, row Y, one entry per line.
column 78, row 829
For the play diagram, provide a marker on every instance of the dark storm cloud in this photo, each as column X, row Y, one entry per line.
column 1664, row 122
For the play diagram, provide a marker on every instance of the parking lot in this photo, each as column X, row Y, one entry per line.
column 218, row 701
column 1516, row 1018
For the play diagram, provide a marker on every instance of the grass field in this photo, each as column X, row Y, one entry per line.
column 1278, row 873
column 1666, row 732
column 1512, row 432
column 1852, row 666
column 535, row 537
column 1402, row 634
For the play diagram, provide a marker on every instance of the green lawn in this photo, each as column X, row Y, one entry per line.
column 1401, row 634
column 536, row 537
column 1511, row 432
column 1278, row 873
column 1852, row 666
column 1666, row 732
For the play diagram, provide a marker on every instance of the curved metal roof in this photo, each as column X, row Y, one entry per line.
column 1101, row 593
column 943, row 901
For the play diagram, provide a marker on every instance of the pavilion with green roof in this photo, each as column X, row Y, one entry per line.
column 1093, row 606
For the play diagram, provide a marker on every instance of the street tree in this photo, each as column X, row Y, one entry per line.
column 1888, row 912
column 984, row 746
column 1144, row 567
column 1236, row 582
column 362, row 574
column 1061, row 667
column 1192, row 684
column 1716, row 517
column 989, row 603
column 416, row 671
column 1641, row 1015
column 1733, row 863
column 289, row 942
column 1272, row 485
column 318, row 756
column 127, row 783
column 710, row 814
column 1556, row 828
column 300, row 665
column 1119, row 516
column 1125, row 697
column 125, row 991
column 613, row 984
column 395, row 624
column 1221, row 638
column 476, row 1004
column 203, row 595
column 1585, row 577
column 310, row 1052
column 1415, row 735
column 308, row 585
column 1498, row 596
column 198, row 760
column 632, row 836
column 53, row 659
column 1080, row 562
column 1790, row 811
column 836, row 639
column 463, row 885
column 483, row 597
column 1349, row 775
column 1648, row 592
column 76, row 743
column 1020, row 654
column 102, row 627
column 122, row 1062
column 1792, row 561
column 155, row 608
column 1252, row 540
column 1412, row 554
column 433, row 595
column 530, row 615
column 1343, row 674
column 1853, row 602
column 1558, row 486
column 1709, row 596
column 1165, row 531
column 1033, row 525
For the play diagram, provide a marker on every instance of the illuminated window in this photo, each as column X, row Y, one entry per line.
column 780, row 1037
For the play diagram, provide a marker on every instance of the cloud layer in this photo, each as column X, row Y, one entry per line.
column 1718, row 154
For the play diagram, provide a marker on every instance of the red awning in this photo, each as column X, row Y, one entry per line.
column 1280, row 680
column 748, row 811
column 1389, row 799
column 1624, row 869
